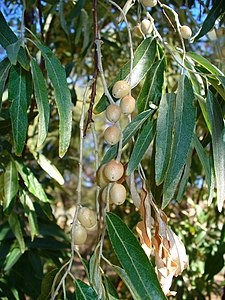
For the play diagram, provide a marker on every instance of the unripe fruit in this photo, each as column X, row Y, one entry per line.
column 185, row 31
column 104, row 195
column 80, row 234
column 150, row 3
column 127, row 105
column 112, row 135
column 120, row 89
column 118, row 194
column 102, row 181
column 146, row 26
column 113, row 113
column 87, row 217
column 113, row 170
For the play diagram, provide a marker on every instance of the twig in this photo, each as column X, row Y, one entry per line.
column 93, row 90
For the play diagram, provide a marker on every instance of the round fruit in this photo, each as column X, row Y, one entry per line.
column 117, row 194
column 80, row 234
column 87, row 217
column 113, row 113
column 104, row 195
column 127, row 105
column 112, row 135
column 102, row 181
column 150, row 3
column 120, row 89
column 185, row 31
column 138, row 30
column 113, row 170
column 146, row 26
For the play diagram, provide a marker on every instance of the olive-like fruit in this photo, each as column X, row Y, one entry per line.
column 104, row 195
column 185, row 31
column 80, row 234
column 101, row 179
column 118, row 194
column 112, row 135
column 113, row 170
column 113, row 113
column 146, row 26
column 87, row 217
column 150, row 3
column 120, row 89
column 127, row 105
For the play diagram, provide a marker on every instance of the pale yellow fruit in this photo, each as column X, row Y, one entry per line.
column 93, row 228
column 113, row 113
column 87, row 217
column 113, row 170
column 149, row 3
column 127, row 105
column 185, row 31
column 118, row 194
column 102, row 181
column 80, row 234
column 120, row 89
column 146, row 26
column 104, row 195
column 112, row 135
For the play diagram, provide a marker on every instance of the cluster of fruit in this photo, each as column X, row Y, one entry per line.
column 146, row 25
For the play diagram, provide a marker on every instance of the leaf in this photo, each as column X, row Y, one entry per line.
column 164, row 131
column 29, row 210
column 46, row 285
column 19, row 96
column 84, row 291
column 48, row 167
column 143, row 60
column 12, row 52
column 151, row 91
column 41, row 96
column 12, row 258
column 8, row 37
column 133, row 259
column 10, row 185
column 31, row 182
column 140, row 147
column 185, row 116
column 110, row 289
column 57, row 75
column 218, row 144
column 4, row 71
column 215, row 12
column 14, row 224
column 128, row 132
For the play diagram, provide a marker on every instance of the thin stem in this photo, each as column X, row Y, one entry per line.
column 120, row 147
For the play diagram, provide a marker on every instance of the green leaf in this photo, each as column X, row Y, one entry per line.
column 164, row 132
column 12, row 258
column 29, row 210
column 185, row 116
column 218, row 144
column 46, row 285
column 48, row 167
column 133, row 259
column 14, row 224
column 4, row 71
column 140, row 147
column 215, row 12
column 10, row 186
column 84, row 291
column 128, row 132
column 57, row 75
column 19, row 94
column 31, row 182
column 7, row 37
column 151, row 91
column 143, row 59
column 12, row 52
column 41, row 96
column 110, row 289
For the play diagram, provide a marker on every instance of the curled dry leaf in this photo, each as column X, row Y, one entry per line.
column 126, row 8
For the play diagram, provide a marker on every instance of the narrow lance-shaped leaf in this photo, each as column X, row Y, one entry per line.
column 164, row 131
column 133, row 259
column 12, row 258
column 19, row 96
column 10, row 185
column 14, row 224
column 218, row 144
column 41, row 96
column 12, row 52
column 152, row 88
column 84, row 291
column 4, row 71
column 185, row 116
column 143, row 59
column 140, row 147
